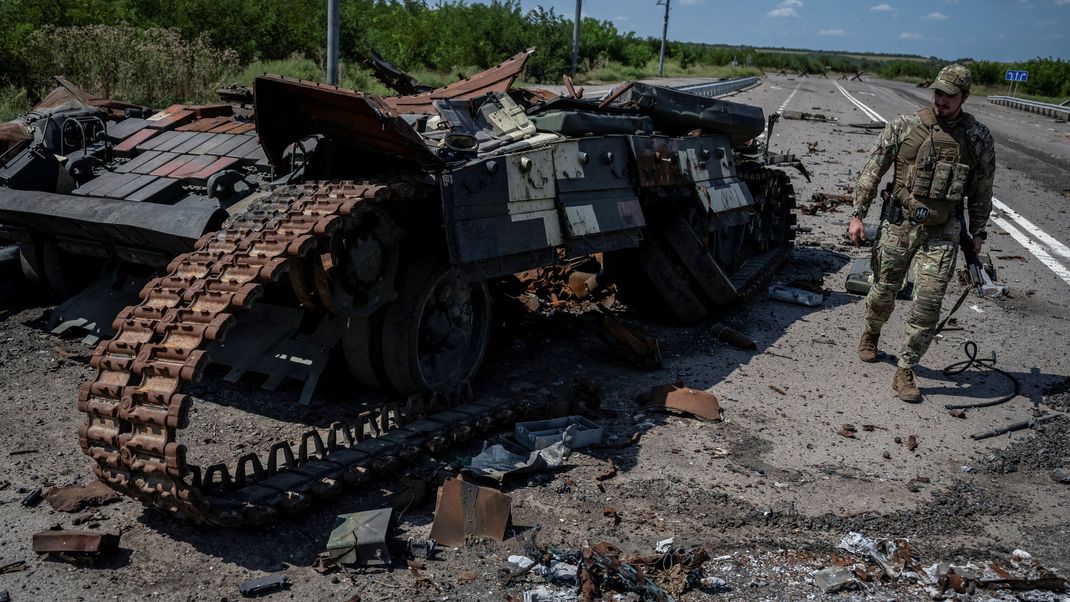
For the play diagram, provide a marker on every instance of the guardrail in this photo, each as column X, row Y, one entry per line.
column 715, row 89
column 1032, row 106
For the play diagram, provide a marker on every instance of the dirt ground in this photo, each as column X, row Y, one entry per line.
column 771, row 490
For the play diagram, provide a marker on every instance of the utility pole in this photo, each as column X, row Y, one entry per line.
column 576, row 37
column 664, row 34
column 332, row 42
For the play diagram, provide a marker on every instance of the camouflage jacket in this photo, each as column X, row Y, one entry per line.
column 978, row 190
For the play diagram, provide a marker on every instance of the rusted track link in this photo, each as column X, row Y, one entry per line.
column 134, row 406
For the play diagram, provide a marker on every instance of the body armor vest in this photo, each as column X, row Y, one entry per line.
column 931, row 171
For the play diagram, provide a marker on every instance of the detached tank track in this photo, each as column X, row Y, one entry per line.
column 134, row 406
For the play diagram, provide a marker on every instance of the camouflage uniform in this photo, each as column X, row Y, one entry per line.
column 903, row 143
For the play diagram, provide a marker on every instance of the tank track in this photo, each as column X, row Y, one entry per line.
column 134, row 407
column 759, row 271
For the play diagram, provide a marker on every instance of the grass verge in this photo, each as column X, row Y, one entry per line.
column 13, row 102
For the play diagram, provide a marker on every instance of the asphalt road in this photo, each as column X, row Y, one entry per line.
column 775, row 499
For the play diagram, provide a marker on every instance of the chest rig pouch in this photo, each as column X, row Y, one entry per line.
column 935, row 180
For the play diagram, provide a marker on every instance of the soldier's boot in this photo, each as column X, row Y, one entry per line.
column 867, row 347
column 904, row 385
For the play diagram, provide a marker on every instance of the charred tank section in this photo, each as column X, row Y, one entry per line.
column 381, row 221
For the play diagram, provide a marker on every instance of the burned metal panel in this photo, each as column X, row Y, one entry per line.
column 495, row 79
column 360, row 538
column 709, row 164
column 288, row 110
column 502, row 206
column 107, row 222
column 596, row 194
column 87, row 542
column 678, row 399
column 467, row 510
column 657, row 161
column 678, row 112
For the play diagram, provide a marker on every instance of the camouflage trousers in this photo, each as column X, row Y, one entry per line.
column 935, row 248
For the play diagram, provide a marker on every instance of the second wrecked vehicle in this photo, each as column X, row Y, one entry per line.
column 389, row 217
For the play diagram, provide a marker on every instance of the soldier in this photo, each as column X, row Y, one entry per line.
column 942, row 156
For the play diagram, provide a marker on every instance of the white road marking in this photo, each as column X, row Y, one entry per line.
column 1033, row 247
column 865, row 110
column 1040, row 251
column 784, row 105
column 1056, row 246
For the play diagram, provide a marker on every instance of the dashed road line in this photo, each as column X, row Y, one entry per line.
column 784, row 105
column 1042, row 250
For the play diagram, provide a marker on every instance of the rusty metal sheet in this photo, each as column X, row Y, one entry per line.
column 495, row 79
column 164, row 138
column 196, row 164
column 201, row 177
column 139, row 182
column 678, row 399
column 228, row 145
column 154, row 162
column 171, row 165
column 136, row 162
column 657, row 159
column 467, row 510
column 637, row 348
column 204, row 125
column 127, row 146
column 244, row 148
column 288, row 110
column 228, row 127
column 187, row 146
column 65, row 542
column 171, row 117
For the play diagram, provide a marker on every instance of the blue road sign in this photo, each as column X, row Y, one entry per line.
column 1017, row 76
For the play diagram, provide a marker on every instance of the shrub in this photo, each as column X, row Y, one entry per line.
column 144, row 66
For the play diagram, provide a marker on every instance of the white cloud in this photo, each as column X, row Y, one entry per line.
column 882, row 8
column 693, row 2
column 782, row 12
column 909, row 35
column 790, row 4
column 1061, row 2
column 955, row 1
column 832, row 32
column 935, row 16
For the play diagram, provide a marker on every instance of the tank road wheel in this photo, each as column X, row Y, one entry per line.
column 435, row 334
column 363, row 355
column 45, row 264
column 353, row 273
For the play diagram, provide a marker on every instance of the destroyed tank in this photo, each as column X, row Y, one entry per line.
column 373, row 224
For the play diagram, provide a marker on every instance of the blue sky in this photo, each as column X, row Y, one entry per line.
column 1005, row 30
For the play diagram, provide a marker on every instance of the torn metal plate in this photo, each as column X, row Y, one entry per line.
column 360, row 538
column 684, row 400
column 467, row 510
column 66, row 542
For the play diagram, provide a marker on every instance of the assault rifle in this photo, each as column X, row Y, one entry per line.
column 982, row 275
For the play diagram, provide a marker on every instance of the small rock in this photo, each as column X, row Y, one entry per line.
column 1061, row 475
column 834, row 579
column 886, row 455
